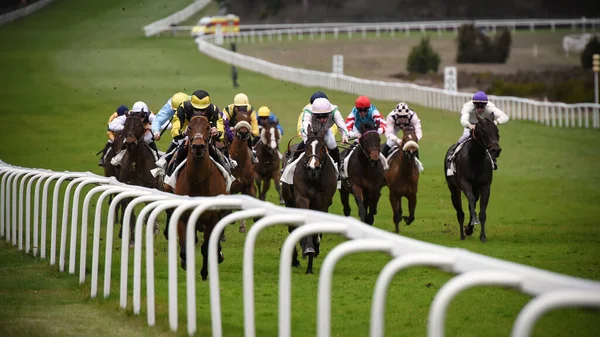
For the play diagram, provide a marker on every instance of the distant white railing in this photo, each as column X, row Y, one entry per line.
column 20, row 221
column 22, row 12
column 552, row 114
column 184, row 14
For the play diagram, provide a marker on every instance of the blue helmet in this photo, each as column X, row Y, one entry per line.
column 480, row 97
column 318, row 94
column 122, row 110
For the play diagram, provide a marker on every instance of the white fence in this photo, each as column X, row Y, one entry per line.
column 22, row 12
column 20, row 221
column 552, row 114
column 184, row 14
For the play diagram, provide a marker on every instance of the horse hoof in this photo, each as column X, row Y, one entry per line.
column 309, row 272
column 469, row 230
column 242, row 229
column 183, row 265
column 204, row 277
column 296, row 264
column 221, row 257
column 131, row 244
column 222, row 238
column 483, row 239
column 408, row 220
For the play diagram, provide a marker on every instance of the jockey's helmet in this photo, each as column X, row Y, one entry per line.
column 122, row 110
column 241, row 100
column 200, row 100
column 264, row 111
column 402, row 109
column 140, row 106
column 178, row 99
column 322, row 108
column 318, row 94
column 480, row 97
column 362, row 102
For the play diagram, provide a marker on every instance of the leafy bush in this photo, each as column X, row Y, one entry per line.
column 422, row 58
column 591, row 48
column 475, row 46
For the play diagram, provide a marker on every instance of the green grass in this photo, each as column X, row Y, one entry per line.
column 69, row 66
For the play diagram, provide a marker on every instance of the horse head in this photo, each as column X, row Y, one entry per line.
column 134, row 129
column 369, row 141
column 487, row 135
column 243, row 126
column 270, row 135
column 316, row 152
column 409, row 140
column 198, row 133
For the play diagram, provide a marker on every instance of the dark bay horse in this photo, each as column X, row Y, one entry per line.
column 113, row 171
column 137, row 162
column 267, row 152
column 473, row 176
column 241, row 153
column 315, row 183
column 365, row 175
column 403, row 177
column 199, row 177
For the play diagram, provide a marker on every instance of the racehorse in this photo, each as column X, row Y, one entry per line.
column 113, row 171
column 199, row 177
column 136, row 163
column 267, row 152
column 474, row 172
column 365, row 174
column 403, row 176
column 314, row 185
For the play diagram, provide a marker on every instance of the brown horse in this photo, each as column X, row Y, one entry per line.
column 241, row 153
column 199, row 177
column 474, row 172
column 403, row 176
column 113, row 171
column 267, row 152
column 137, row 162
column 315, row 183
column 365, row 175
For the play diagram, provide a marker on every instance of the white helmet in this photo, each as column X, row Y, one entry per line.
column 402, row 109
column 140, row 106
column 321, row 106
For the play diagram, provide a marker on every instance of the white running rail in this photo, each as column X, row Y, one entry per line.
column 22, row 12
column 165, row 24
column 549, row 290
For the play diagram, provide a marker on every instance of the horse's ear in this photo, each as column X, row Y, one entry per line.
column 491, row 117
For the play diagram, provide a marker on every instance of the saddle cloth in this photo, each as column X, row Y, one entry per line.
column 288, row 173
column 451, row 167
column 172, row 179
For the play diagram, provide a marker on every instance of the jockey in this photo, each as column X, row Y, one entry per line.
column 122, row 110
column 401, row 115
column 478, row 106
column 242, row 104
column 363, row 112
column 318, row 94
column 265, row 114
column 165, row 115
column 200, row 105
column 118, row 124
column 323, row 112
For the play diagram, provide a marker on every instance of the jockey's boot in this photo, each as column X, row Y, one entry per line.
column 251, row 142
column 180, row 155
column 386, row 150
column 335, row 155
column 153, row 146
column 104, row 150
column 219, row 157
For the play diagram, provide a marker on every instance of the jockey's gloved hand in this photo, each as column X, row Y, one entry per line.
column 157, row 135
column 351, row 134
column 344, row 139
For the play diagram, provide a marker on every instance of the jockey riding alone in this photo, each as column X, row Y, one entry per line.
column 165, row 115
column 325, row 114
column 318, row 94
column 241, row 103
column 118, row 124
column 364, row 112
column 122, row 110
column 480, row 107
column 401, row 115
column 200, row 105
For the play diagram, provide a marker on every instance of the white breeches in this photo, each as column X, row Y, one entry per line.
column 391, row 143
column 465, row 135
column 330, row 140
column 148, row 137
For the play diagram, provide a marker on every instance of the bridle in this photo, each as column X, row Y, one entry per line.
column 319, row 158
column 198, row 135
column 360, row 145
column 131, row 134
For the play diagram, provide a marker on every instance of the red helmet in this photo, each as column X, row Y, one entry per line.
column 363, row 102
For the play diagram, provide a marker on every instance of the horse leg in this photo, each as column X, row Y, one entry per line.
column 181, row 232
column 277, row 183
column 266, row 186
column 473, row 220
column 166, row 230
column 457, row 203
column 132, row 230
column 373, row 201
column 485, row 198
column 344, row 197
column 396, row 202
column 242, row 226
column 412, row 204
column 358, row 196
column 204, row 248
column 295, row 262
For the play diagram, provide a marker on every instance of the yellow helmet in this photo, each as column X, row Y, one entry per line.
column 241, row 100
column 264, row 111
column 178, row 98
